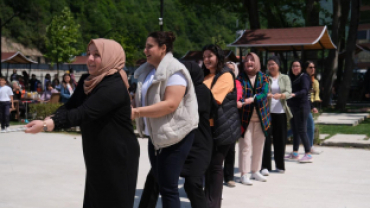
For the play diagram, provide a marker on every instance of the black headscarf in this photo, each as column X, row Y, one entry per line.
column 196, row 73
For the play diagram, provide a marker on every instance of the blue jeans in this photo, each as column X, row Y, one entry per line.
column 167, row 165
column 310, row 128
column 4, row 113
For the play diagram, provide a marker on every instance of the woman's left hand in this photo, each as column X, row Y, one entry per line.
column 133, row 113
column 277, row 96
column 249, row 101
column 314, row 110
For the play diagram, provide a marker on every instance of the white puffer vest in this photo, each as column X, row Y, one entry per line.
column 172, row 128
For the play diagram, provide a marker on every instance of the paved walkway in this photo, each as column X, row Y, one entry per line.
column 47, row 171
column 350, row 119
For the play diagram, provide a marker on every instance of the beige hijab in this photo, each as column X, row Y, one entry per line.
column 113, row 59
column 257, row 64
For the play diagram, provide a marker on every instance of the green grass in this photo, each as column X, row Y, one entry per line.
column 362, row 128
column 13, row 123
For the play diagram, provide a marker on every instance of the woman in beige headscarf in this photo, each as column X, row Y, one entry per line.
column 255, row 118
column 101, row 106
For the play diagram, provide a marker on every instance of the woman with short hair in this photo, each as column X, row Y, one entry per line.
column 280, row 92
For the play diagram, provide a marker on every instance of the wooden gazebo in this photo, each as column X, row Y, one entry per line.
column 285, row 39
column 198, row 56
column 15, row 58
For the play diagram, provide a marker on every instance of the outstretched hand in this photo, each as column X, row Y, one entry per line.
column 37, row 126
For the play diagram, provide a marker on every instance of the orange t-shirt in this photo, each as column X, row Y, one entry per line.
column 223, row 86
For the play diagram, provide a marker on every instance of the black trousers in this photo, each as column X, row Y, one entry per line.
column 278, row 133
column 229, row 165
column 214, row 176
column 4, row 113
column 167, row 165
column 299, row 127
column 193, row 187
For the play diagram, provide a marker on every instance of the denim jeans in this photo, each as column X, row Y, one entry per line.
column 299, row 127
column 167, row 165
column 4, row 113
column 310, row 128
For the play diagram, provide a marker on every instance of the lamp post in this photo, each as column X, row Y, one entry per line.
column 161, row 17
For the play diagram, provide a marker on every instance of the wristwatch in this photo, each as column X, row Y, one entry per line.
column 45, row 127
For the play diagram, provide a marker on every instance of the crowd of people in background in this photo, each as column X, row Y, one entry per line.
column 21, row 84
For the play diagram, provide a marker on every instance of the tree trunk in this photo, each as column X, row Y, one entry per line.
column 312, row 18
column 334, row 65
column 252, row 8
column 346, row 5
column 332, row 61
column 350, row 53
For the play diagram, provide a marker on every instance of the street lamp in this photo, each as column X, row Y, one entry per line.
column 160, row 22
column 161, row 18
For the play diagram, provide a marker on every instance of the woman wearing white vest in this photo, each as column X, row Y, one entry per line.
column 166, row 111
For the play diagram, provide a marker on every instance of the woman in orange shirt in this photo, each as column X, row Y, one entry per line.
column 225, row 124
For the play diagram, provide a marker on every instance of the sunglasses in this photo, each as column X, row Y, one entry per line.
column 311, row 67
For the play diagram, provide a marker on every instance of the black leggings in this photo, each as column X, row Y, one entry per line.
column 214, row 176
column 299, row 127
column 193, row 187
column 229, row 165
column 278, row 133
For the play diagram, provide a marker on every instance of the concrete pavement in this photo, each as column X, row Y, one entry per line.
column 47, row 170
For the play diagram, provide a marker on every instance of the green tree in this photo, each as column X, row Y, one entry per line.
column 61, row 38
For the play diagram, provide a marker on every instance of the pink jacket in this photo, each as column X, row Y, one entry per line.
column 239, row 90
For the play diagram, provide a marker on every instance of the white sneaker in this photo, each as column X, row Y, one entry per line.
column 3, row 131
column 246, row 180
column 314, row 151
column 280, row 171
column 258, row 177
column 265, row 172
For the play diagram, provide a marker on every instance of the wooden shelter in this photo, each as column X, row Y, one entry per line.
column 15, row 58
column 285, row 40
column 198, row 56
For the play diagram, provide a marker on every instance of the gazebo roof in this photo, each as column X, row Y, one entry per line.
column 286, row 39
column 79, row 60
column 16, row 58
column 198, row 55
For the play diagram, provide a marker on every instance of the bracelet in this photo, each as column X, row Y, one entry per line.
column 45, row 127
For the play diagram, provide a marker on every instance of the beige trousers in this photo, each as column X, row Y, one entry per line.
column 251, row 148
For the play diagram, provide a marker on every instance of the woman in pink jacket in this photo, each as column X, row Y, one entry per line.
column 230, row 157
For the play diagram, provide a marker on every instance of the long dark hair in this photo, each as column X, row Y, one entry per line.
column 215, row 49
column 70, row 81
column 306, row 64
column 291, row 75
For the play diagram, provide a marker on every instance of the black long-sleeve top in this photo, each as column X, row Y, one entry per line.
column 301, row 88
column 111, row 150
